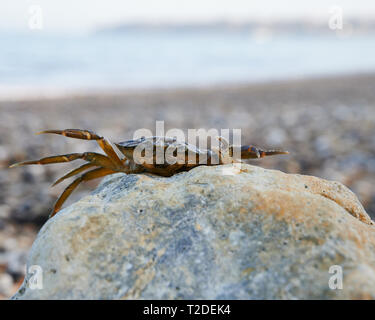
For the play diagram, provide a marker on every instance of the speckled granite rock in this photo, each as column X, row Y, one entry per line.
column 252, row 234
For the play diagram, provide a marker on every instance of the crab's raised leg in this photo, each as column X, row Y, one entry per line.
column 89, row 135
column 74, row 172
column 92, row 157
column 251, row 152
column 90, row 175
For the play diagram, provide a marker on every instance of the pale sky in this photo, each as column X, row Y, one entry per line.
column 84, row 15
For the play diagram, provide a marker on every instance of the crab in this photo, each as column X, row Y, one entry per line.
column 111, row 162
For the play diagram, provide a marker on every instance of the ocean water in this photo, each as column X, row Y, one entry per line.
column 169, row 58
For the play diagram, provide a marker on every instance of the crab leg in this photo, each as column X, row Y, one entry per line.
column 92, row 157
column 74, row 172
column 251, row 152
column 90, row 175
column 89, row 135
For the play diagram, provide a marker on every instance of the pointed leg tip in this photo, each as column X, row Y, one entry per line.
column 56, row 182
column 52, row 214
column 15, row 165
column 50, row 131
column 42, row 132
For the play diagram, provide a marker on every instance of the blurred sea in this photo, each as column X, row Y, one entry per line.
column 174, row 58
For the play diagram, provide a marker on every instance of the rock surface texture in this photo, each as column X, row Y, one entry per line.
column 211, row 233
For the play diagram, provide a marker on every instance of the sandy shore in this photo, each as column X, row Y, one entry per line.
column 327, row 124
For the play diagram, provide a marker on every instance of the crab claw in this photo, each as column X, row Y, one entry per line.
column 250, row 152
column 275, row 152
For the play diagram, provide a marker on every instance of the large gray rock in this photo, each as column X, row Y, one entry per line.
column 253, row 234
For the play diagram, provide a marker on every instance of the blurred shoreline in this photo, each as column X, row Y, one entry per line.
column 34, row 93
column 327, row 124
